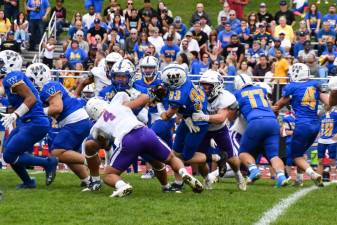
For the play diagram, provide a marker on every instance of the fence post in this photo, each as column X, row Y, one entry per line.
column 278, row 90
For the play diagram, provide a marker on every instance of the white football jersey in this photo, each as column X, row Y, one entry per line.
column 115, row 122
column 100, row 79
column 222, row 101
column 239, row 125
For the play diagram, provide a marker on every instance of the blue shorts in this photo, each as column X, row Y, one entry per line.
column 261, row 134
column 98, row 5
column 303, row 137
column 23, row 138
column 188, row 143
column 71, row 136
column 289, row 159
column 163, row 129
column 321, row 148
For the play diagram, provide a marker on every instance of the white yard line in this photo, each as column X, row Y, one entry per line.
column 277, row 210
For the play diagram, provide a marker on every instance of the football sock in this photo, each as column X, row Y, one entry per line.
column 252, row 167
column 119, row 184
column 21, row 172
column 279, row 173
column 215, row 157
column 166, row 186
column 86, row 180
column 310, row 171
column 299, row 177
column 27, row 159
column 179, row 182
column 94, row 178
column 182, row 171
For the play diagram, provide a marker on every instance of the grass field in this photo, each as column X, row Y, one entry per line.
column 63, row 203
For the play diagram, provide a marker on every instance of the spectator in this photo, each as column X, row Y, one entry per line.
column 170, row 48
column 235, row 22
column 238, row 6
column 313, row 19
column 89, row 17
column 146, row 21
column 5, row 24
column 155, row 22
column 252, row 22
column 235, row 49
column 166, row 61
column 331, row 17
column 96, row 4
column 172, row 32
column 224, row 13
column 284, row 28
column 299, row 45
column 204, row 27
column 120, row 26
column 75, row 54
column 113, row 40
column 200, row 36
column 263, row 14
column 128, row 9
column 79, row 36
column 213, row 40
column 325, row 33
column 261, row 68
column 230, row 72
column 162, row 8
column 199, row 66
column 131, row 41
column 11, row 8
column 277, row 46
column 261, row 33
column 281, row 69
column 254, row 53
column 48, row 53
column 165, row 19
column 133, row 21
column 147, row 9
column 76, row 17
column 224, row 36
column 111, row 10
column 244, row 68
column 215, row 65
column 72, row 31
column 285, row 43
column 285, row 12
column 180, row 27
column 315, row 70
column 184, row 48
column 192, row 43
column 96, row 30
column 140, row 47
column 156, row 39
column 198, row 13
column 214, row 55
column 38, row 15
column 21, row 29
column 61, row 16
column 306, row 52
column 329, row 55
column 244, row 32
column 10, row 43
column 221, row 26
column 303, row 29
column 182, row 60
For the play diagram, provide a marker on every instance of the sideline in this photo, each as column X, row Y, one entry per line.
column 277, row 210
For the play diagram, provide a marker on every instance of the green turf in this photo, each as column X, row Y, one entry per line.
column 63, row 203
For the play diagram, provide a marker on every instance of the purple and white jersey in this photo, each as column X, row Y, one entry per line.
column 100, row 79
column 115, row 122
column 222, row 101
column 239, row 125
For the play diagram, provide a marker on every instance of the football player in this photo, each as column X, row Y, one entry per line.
column 31, row 123
column 117, row 123
column 303, row 95
column 219, row 101
column 72, row 119
column 262, row 132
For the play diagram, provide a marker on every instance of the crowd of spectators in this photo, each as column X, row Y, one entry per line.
column 262, row 44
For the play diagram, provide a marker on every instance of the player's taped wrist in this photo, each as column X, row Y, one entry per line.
column 160, row 108
column 46, row 110
column 22, row 110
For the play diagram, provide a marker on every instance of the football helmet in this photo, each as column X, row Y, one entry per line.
column 88, row 91
column 299, row 72
column 213, row 78
column 242, row 80
column 95, row 107
column 174, row 76
column 122, row 74
column 148, row 66
column 333, row 84
column 111, row 59
column 39, row 73
column 10, row 61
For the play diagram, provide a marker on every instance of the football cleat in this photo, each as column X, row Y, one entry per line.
column 31, row 184
column 282, row 181
column 51, row 170
column 93, row 186
column 254, row 176
column 148, row 175
column 222, row 163
column 173, row 188
column 122, row 192
column 317, row 179
column 195, row 184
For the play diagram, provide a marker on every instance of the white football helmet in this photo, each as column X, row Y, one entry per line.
column 173, row 75
column 333, row 84
column 95, row 107
column 265, row 86
column 39, row 73
column 10, row 61
column 125, row 68
column 299, row 72
column 242, row 80
column 88, row 91
column 214, row 78
column 148, row 66
column 111, row 59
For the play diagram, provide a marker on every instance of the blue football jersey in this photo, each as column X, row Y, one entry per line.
column 304, row 99
column 328, row 125
column 70, row 104
column 189, row 98
column 108, row 92
column 14, row 79
column 253, row 103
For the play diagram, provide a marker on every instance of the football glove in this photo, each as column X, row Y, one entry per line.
column 8, row 119
column 200, row 116
column 192, row 128
column 157, row 93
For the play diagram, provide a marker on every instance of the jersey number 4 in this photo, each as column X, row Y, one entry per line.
column 309, row 98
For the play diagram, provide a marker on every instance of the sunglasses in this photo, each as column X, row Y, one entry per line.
column 130, row 3
column 205, row 57
column 232, row 14
column 79, row 35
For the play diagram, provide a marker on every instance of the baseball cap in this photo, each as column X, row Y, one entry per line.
column 97, row 21
column 169, row 38
column 282, row 33
column 262, row 4
column 283, row 2
column 167, row 55
column 10, row 33
column 302, row 33
column 277, row 40
column 188, row 33
column 177, row 19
